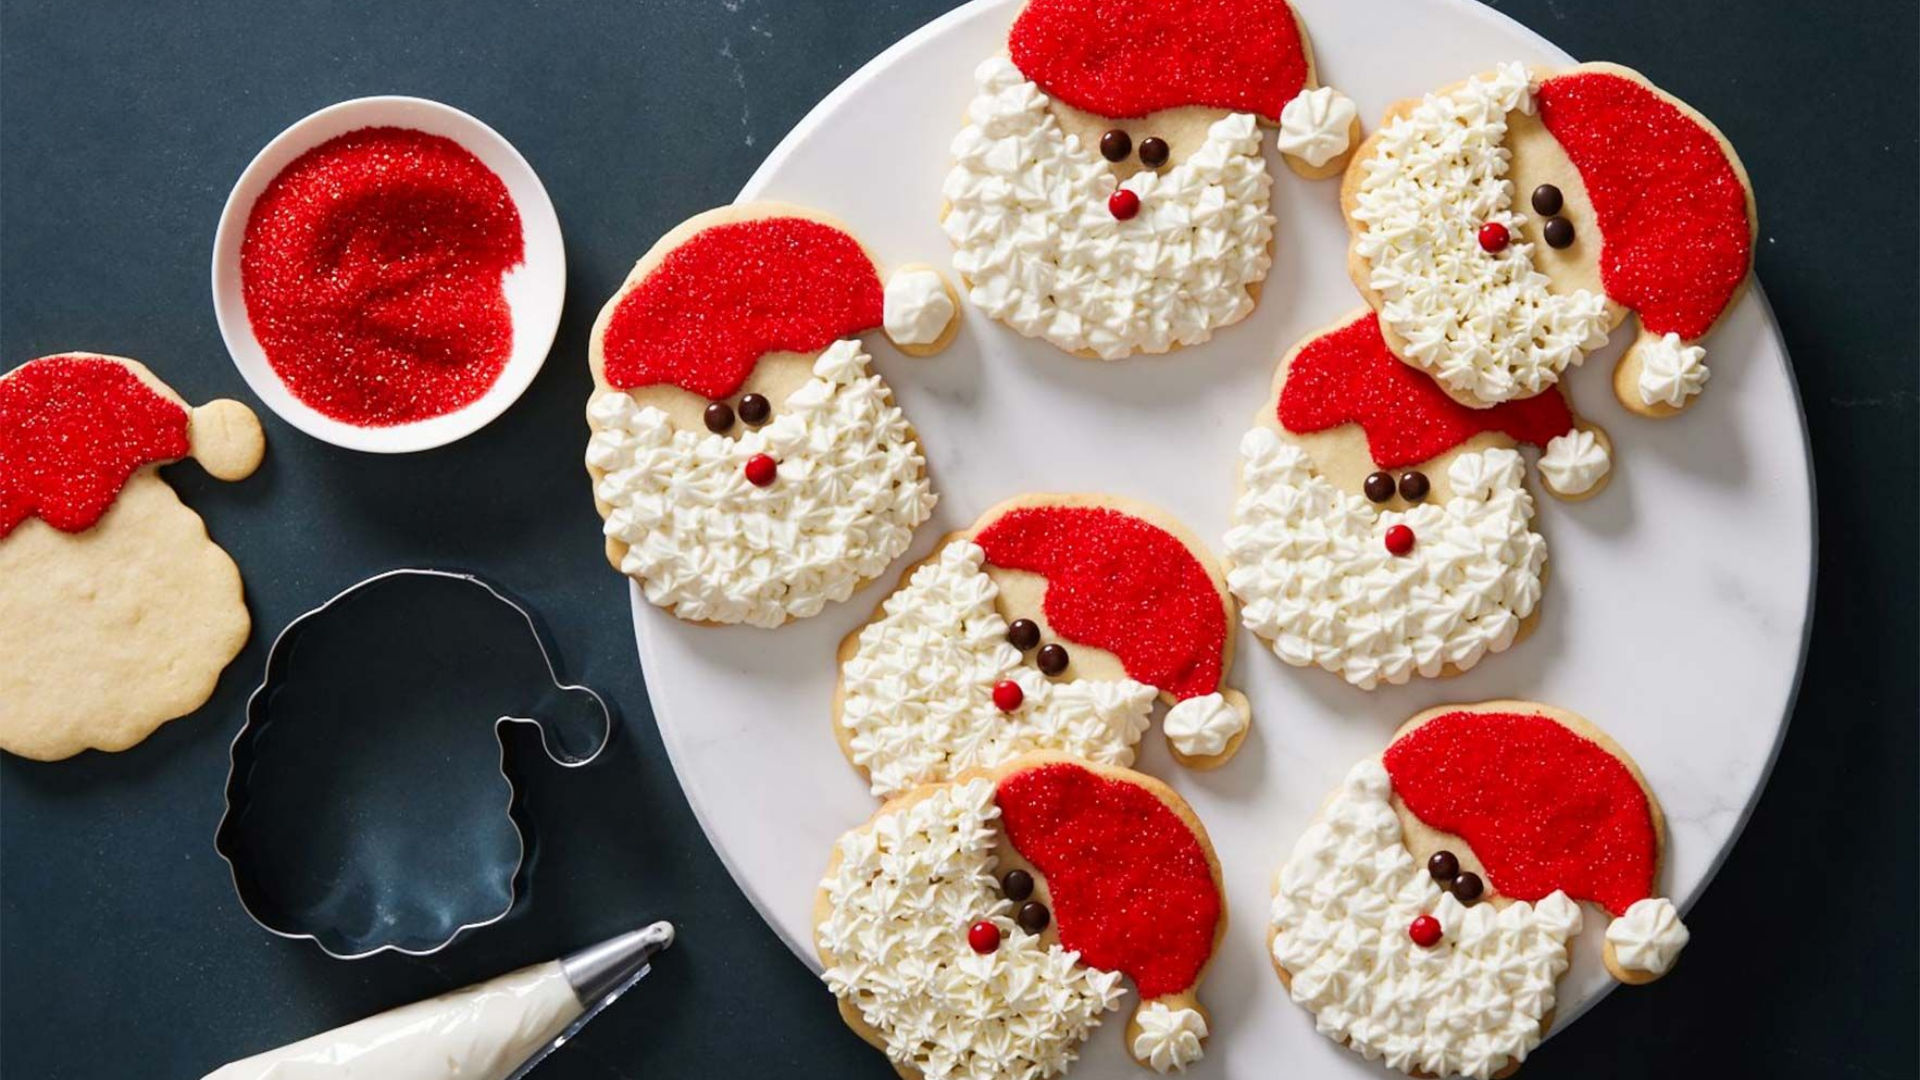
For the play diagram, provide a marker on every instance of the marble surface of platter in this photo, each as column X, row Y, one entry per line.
column 1675, row 617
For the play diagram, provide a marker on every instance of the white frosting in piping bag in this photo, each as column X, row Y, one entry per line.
column 483, row 1032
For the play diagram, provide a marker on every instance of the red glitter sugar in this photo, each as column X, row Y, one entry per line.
column 1122, row 584
column 1131, row 886
column 372, row 270
column 1348, row 376
column 733, row 293
column 1675, row 239
column 1128, row 58
column 1544, row 808
column 73, row 428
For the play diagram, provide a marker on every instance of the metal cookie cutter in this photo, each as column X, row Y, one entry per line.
column 356, row 793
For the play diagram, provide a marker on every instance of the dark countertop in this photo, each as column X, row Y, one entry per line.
column 125, row 952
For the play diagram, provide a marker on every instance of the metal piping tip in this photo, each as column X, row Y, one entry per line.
column 599, row 970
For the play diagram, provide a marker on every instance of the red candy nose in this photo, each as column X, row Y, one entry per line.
column 760, row 470
column 1007, row 695
column 1399, row 540
column 983, row 937
column 1493, row 236
column 1123, row 204
column 1425, row 931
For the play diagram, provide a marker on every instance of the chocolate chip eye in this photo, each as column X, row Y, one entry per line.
column 1559, row 232
column 1018, row 885
column 1023, row 634
column 719, row 418
column 1052, row 660
column 1467, row 887
column 1379, row 487
column 1115, row 145
column 1547, row 200
column 1033, row 917
column 755, row 409
column 1443, row 866
column 1154, row 151
column 1414, row 486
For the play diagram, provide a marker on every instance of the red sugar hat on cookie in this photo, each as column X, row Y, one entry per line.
column 1677, row 234
column 1543, row 807
column 734, row 292
column 1348, row 376
column 1120, row 583
column 1128, row 58
column 73, row 429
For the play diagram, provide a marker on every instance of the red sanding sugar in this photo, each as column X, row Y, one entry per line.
column 372, row 270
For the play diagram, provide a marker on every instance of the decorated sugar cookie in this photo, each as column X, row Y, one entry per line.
column 1108, row 192
column 1052, row 624
column 1424, row 917
column 118, row 613
column 1382, row 529
column 748, row 462
column 1504, row 225
column 980, row 927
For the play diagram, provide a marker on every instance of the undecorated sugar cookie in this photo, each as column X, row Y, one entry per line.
column 1053, row 623
column 1108, row 193
column 117, row 612
column 979, row 928
column 1383, row 530
column 1504, row 225
column 749, row 464
column 1424, row 917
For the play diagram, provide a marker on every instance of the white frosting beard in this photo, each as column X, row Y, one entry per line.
column 1314, row 578
column 1027, row 214
column 703, row 541
column 918, row 691
column 1483, row 324
column 900, row 902
column 1341, row 912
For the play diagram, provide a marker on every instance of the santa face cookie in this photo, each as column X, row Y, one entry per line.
column 1384, row 530
column 1425, row 914
column 979, row 928
column 118, row 612
column 749, row 464
column 1108, row 193
column 1052, row 624
column 1504, row 225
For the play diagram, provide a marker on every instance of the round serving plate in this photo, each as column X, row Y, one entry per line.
column 1676, row 617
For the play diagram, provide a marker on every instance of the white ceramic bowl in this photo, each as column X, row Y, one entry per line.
column 534, row 289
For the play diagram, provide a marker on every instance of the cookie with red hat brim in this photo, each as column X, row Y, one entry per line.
column 1425, row 916
column 1135, row 130
column 1053, row 623
column 1589, row 193
column 1381, row 529
column 749, row 465
column 981, row 926
column 119, row 612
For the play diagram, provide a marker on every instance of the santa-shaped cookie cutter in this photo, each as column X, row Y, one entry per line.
column 378, row 614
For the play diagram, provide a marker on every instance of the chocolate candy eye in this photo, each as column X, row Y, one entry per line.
column 1033, row 917
column 1414, row 486
column 1023, row 634
column 1559, row 232
column 1154, row 151
column 1547, row 200
column 1052, row 660
column 755, row 409
column 1467, row 887
column 1443, row 866
column 719, row 418
column 1379, row 487
column 1115, row 145
column 1018, row 885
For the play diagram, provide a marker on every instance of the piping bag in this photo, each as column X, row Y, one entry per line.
column 495, row 1030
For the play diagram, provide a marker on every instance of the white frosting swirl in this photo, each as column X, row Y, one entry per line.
column 706, row 543
column 916, row 307
column 1317, row 125
column 1314, row 578
column 1671, row 372
column 1169, row 1038
column 899, row 904
column 1345, row 899
column 1203, row 726
column 1649, row 936
column 1027, row 214
column 1575, row 461
column 1483, row 324
column 917, row 694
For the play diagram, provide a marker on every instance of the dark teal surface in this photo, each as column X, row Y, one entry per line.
column 123, row 952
